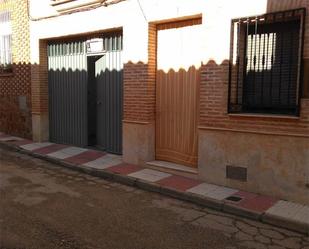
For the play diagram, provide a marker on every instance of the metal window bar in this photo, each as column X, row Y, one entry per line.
column 265, row 63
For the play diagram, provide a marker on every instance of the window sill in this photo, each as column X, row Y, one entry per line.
column 256, row 115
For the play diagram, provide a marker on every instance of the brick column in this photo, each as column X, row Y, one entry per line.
column 39, row 94
column 139, row 106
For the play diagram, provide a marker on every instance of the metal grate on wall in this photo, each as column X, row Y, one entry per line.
column 266, row 63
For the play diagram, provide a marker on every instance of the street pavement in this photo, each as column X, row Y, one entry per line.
column 43, row 205
column 269, row 209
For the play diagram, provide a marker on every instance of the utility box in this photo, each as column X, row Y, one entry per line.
column 95, row 46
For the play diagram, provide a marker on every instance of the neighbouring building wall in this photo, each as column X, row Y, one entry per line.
column 15, row 86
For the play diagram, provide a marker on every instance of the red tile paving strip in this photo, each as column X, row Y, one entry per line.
column 178, row 182
column 259, row 203
column 85, row 157
column 21, row 142
column 124, row 169
column 50, row 149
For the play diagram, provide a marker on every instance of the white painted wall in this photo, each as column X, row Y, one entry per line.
column 133, row 16
column 179, row 48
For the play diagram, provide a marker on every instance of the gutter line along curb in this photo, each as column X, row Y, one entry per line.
column 185, row 196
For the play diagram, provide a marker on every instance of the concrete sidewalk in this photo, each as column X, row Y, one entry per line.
column 258, row 207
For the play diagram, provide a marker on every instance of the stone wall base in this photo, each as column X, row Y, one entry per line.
column 276, row 165
column 138, row 143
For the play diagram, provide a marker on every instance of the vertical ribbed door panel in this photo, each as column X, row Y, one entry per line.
column 67, row 82
column 109, row 80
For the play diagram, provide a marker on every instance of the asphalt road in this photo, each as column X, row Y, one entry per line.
column 45, row 206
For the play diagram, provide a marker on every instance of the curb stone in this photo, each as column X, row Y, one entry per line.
column 203, row 201
column 286, row 223
column 185, row 196
column 126, row 180
column 149, row 186
column 9, row 147
column 174, row 193
column 232, row 209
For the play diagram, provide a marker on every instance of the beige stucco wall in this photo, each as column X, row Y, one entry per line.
column 138, row 143
column 276, row 165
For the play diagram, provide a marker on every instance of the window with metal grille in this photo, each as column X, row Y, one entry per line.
column 265, row 63
column 5, row 42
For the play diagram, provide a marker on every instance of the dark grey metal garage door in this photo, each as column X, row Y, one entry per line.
column 72, row 109
column 67, row 82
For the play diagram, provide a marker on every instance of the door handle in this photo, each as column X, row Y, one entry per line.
column 99, row 102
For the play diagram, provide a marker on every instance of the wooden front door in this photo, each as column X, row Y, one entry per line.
column 177, row 83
